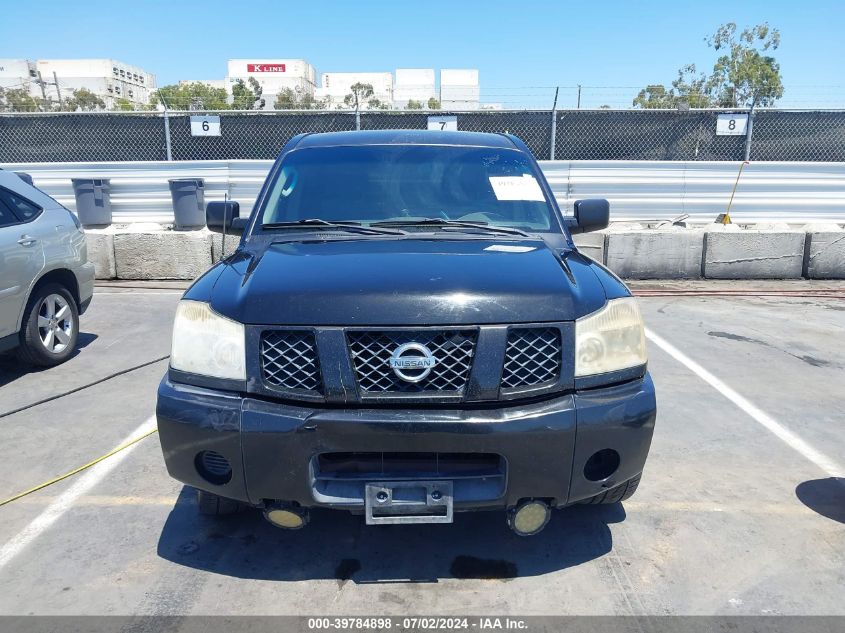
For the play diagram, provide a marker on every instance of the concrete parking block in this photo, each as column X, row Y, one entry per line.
column 162, row 254
column 825, row 252
column 672, row 253
column 776, row 253
column 100, row 244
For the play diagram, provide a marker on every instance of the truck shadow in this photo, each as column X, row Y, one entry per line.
column 338, row 545
column 824, row 496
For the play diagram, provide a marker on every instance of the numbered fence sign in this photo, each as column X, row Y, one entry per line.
column 732, row 125
column 443, row 123
column 205, row 126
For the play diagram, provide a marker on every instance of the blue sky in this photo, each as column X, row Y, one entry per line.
column 521, row 48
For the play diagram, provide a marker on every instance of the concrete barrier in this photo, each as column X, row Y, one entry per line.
column 671, row 253
column 100, row 244
column 217, row 252
column 162, row 254
column 152, row 251
column 825, row 252
column 591, row 244
column 765, row 252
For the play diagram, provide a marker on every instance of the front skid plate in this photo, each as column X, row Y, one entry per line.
column 391, row 502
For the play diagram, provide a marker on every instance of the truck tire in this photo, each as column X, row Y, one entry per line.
column 210, row 504
column 617, row 493
column 50, row 310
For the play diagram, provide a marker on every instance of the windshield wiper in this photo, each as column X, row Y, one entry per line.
column 482, row 226
column 353, row 227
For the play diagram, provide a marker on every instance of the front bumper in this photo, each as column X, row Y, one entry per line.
column 272, row 447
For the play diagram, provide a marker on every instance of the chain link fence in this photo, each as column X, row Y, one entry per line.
column 776, row 135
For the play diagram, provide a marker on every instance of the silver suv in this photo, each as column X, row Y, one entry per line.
column 46, row 281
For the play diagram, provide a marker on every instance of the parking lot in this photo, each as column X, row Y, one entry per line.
column 739, row 512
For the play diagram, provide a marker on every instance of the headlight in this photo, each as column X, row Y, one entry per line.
column 206, row 343
column 611, row 339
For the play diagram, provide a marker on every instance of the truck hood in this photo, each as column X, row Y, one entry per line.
column 408, row 281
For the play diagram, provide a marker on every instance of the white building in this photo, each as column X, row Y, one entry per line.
column 274, row 76
column 107, row 78
column 17, row 73
column 459, row 89
column 415, row 84
column 335, row 86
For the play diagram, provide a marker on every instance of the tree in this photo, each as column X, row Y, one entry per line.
column 84, row 100
column 123, row 105
column 654, row 96
column 17, row 100
column 360, row 94
column 193, row 96
column 247, row 96
column 433, row 104
column 413, row 104
column 309, row 102
column 287, row 99
column 743, row 76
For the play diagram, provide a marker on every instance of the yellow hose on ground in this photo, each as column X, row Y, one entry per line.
column 77, row 470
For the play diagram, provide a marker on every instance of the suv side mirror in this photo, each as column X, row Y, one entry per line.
column 224, row 217
column 591, row 215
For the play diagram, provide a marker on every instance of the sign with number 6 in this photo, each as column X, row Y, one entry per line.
column 205, row 126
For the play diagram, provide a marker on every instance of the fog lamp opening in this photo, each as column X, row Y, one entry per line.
column 529, row 517
column 286, row 516
column 602, row 464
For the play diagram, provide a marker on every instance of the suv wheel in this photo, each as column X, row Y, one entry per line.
column 617, row 493
column 50, row 327
column 211, row 504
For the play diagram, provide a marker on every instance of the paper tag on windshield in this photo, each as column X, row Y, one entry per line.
column 523, row 187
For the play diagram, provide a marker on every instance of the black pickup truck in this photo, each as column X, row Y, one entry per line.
column 406, row 330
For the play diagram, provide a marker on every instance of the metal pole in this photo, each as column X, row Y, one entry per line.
column 43, row 92
column 357, row 117
column 167, row 134
column 58, row 90
column 554, row 126
column 749, row 132
column 578, row 107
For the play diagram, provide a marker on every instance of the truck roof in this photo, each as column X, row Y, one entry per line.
column 406, row 137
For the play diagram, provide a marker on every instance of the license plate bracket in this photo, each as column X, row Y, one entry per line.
column 395, row 502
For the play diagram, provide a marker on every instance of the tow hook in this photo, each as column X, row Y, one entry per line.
column 529, row 517
column 287, row 516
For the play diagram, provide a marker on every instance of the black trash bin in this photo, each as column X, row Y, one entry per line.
column 188, row 202
column 93, row 201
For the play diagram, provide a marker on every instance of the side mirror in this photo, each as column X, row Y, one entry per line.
column 224, row 217
column 591, row 215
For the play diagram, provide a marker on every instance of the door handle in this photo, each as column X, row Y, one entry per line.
column 27, row 240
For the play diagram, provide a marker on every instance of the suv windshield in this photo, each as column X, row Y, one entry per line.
column 383, row 183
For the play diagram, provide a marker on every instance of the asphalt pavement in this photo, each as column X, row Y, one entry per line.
column 741, row 510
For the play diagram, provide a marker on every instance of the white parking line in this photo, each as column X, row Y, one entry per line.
column 65, row 501
column 785, row 435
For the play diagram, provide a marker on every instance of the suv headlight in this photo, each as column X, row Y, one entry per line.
column 611, row 339
column 206, row 343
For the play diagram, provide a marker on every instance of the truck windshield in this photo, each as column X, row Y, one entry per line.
column 402, row 183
